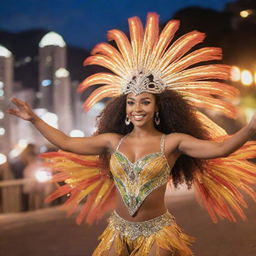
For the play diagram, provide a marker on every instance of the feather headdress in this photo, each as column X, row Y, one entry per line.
column 150, row 62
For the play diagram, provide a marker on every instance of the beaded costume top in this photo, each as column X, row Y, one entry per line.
column 135, row 181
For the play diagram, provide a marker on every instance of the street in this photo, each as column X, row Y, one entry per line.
column 48, row 232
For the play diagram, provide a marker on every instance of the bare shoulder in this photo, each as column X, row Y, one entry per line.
column 172, row 142
column 176, row 136
column 175, row 141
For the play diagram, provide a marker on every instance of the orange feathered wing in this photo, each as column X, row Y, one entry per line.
column 86, row 184
column 221, row 187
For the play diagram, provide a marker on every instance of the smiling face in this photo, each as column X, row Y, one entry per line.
column 141, row 108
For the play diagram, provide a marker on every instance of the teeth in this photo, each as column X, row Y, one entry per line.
column 138, row 117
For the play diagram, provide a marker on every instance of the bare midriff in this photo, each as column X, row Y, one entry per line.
column 153, row 206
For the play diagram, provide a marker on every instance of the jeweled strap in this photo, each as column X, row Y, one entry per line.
column 162, row 143
column 120, row 141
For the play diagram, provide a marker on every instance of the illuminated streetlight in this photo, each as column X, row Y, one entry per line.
column 246, row 13
column 246, row 77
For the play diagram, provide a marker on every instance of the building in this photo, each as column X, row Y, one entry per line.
column 54, row 80
column 6, row 90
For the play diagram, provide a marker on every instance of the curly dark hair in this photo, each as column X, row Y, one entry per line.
column 176, row 115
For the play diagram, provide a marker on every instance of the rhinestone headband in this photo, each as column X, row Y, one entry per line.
column 143, row 82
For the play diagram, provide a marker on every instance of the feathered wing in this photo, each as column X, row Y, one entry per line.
column 221, row 187
column 86, row 184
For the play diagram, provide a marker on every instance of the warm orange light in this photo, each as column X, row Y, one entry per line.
column 246, row 78
column 246, row 13
column 235, row 74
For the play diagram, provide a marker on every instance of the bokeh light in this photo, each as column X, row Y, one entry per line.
column 2, row 131
column 246, row 78
column 42, row 175
column 3, row 158
column 51, row 119
column 246, row 13
column 76, row 133
column 235, row 74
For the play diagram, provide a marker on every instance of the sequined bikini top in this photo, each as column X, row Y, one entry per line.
column 135, row 181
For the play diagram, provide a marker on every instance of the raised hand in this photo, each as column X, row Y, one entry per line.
column 23, row 110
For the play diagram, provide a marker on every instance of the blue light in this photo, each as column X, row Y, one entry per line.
column 46, row 82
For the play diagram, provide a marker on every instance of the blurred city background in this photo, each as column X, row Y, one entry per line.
column 41, row 63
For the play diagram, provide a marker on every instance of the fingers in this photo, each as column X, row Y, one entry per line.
column 12, row 112
column 18, row 102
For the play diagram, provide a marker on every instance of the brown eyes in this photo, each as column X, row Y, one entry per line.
column 143, row 102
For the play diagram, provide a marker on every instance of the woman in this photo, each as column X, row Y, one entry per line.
column 155, row 134
column 143, row 140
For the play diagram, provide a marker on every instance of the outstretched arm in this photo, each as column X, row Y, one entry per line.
column 88, row 145
column 205, row 149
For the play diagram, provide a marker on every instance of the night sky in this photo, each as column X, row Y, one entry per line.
column 85, row 22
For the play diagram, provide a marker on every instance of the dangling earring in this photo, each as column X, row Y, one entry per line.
column 127, row 120
column 157, row 119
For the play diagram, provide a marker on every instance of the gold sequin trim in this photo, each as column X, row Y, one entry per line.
column 133, row 230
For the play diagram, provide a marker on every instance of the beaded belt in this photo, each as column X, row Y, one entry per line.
column 133, row 230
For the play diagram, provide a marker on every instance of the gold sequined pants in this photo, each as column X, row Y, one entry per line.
column 123, row 237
